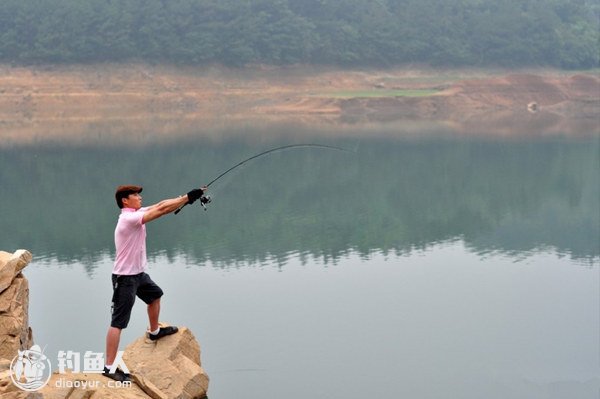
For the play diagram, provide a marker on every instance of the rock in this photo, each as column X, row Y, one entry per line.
column 15, row 333
column 169, row 367
column 532, row 107
column 11, row 265
column 164, row 369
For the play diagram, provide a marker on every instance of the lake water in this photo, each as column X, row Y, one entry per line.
column 421, row 265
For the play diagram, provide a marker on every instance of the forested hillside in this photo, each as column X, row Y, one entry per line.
column 559, row 33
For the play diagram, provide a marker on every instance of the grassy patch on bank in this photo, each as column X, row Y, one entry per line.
column 378, row 93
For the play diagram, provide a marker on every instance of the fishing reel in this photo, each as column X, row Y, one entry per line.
column 205, row 200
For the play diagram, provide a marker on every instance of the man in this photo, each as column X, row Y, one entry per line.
column 128, row 277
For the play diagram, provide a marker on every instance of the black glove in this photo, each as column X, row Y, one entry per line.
column 194, row 195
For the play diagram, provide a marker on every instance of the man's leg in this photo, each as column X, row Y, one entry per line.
column 113, row 337
column 157, row 332
column 112, row 345
column 150, row 293
column 153, row 313
column 122, row 303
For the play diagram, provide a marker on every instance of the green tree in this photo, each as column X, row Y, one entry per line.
column 351, row 32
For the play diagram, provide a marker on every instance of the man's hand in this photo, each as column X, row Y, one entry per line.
column 196, row 194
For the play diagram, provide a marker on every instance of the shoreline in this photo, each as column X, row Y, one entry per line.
column 82, row 102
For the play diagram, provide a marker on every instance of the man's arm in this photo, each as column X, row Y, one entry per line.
column 164, row 207
column 169, row 205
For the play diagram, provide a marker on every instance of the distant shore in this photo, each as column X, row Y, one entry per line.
column 68, row 102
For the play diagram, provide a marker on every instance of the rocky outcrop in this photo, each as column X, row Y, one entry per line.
column 168, row 368
column 15, row 333
column 163, row 369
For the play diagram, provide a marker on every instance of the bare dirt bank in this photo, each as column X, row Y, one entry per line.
column 68, row 102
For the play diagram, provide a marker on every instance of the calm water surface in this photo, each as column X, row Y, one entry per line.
column 421, row 266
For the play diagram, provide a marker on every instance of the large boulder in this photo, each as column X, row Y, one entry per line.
column 15, row 333
column 164, row 369
column 169, row 367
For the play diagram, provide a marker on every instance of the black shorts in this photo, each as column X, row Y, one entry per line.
column 125, row 289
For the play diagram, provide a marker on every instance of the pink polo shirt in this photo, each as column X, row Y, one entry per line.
column 130, row 242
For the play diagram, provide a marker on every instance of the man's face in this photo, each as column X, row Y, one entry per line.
column 133, row 201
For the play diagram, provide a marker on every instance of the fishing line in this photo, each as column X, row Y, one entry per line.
column 205, row 200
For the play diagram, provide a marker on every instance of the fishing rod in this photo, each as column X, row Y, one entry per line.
column 205, row 200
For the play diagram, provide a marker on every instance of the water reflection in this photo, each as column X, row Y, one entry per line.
column 436, row 323
column 399, row 260
column 395, row 195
